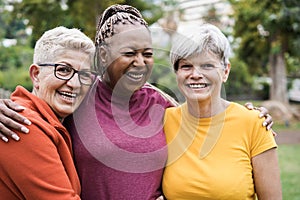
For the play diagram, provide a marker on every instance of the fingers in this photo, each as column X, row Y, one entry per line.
column 10, row 120
column 6, row 125
column 10, row 109
column 268, row 123
column 249, row 105
column 8, row 114
column 264, row 112
column 160, row 198
column 5, row 133
column 12, row 105
column 274, row 133
column 10, row 123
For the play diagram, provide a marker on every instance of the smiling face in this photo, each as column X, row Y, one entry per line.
column 128, row 57
column 62, row 96
column 200, row 76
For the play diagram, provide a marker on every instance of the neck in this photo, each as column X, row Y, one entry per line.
column 117, row 92
column 205, row 109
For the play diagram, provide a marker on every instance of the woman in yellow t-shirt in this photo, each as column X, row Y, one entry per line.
column 217, row 149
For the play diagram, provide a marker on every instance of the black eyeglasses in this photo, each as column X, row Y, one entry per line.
column 66, row 72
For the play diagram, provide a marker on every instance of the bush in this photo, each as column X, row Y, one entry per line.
column 15, row 62
column 239, row 83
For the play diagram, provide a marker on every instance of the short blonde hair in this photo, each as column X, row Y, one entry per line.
column 49, row 46
column 206, row 38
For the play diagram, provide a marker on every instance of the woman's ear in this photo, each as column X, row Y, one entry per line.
column 34, row 72
column 226, row 72
column 103, row 55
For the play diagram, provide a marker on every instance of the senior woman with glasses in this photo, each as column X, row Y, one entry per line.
column 61, row 77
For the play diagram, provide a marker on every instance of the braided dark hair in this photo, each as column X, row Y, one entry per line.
column 105, row 29
column 111, row 16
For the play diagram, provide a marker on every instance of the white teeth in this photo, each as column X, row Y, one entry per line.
column 134, row 75
column 197, row 85
column 69, row 94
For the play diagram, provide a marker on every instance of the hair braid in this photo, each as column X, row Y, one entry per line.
column 111, row 16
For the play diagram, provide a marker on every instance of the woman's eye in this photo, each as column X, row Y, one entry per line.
column 64, row 69
column 185, row 67
column 207, row 66
column 128, row 53
column 85, row 74
column 148, row 54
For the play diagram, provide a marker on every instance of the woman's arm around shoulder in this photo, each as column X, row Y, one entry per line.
column 11, row 120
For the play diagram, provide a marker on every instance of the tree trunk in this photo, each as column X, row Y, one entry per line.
column 278, row 89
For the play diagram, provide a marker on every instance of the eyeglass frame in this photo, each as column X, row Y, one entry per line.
column 74, row 72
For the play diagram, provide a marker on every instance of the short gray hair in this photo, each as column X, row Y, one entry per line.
column 50, row 44
column 206, row 38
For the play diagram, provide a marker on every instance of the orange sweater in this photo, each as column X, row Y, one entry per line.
column 40, row 165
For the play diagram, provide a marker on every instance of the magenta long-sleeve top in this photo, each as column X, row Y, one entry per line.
column 119, row 144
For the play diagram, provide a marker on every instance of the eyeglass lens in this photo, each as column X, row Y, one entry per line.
column 65, row 72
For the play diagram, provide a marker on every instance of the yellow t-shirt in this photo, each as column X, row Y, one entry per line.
column 210, row 158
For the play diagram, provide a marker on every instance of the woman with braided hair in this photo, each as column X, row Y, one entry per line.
column 119, row 144
column 118, row 140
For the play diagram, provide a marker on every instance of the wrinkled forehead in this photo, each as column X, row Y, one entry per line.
column 77, row 58
column 130, row 35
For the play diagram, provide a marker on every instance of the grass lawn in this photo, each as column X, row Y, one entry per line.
column 295, row 125
column 289, row 162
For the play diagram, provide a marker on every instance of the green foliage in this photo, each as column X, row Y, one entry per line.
column 293, row 65
column 9, row 26
column 10, row 79
column 83, row 14
column 15, row 62
column 240, row 80
column 271, row 27
column 163, row 75
column 39, row 13
column 150, row 11
column 266, row 31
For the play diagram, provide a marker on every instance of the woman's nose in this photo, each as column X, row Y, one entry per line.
column 74, row 81
column 197, row 72
column 139, row 60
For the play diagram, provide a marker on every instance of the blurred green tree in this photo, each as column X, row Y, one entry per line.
column 268, row 32
column 83, row 14
column 15, row 52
